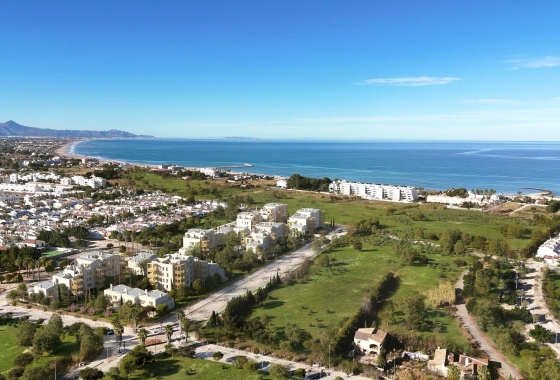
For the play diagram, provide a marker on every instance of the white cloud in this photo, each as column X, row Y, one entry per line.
column 411, row 81
column 514, row 102
column 535, row 63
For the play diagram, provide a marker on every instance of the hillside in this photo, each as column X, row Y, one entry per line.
column 11, row 128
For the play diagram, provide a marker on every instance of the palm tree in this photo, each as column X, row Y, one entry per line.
column 185, row 325
column 168, row 332
column 119, row 330
column 26, row 263
column 18, row 262
column 143, row 335
column 37, row 265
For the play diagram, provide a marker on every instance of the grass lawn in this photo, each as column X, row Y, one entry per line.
column 342, row 289
column 9, row 347
column 176, row 368
column 398, row 222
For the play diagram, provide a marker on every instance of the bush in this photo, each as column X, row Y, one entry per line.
column 217, row 356
column 15, row 373
column 23, row 359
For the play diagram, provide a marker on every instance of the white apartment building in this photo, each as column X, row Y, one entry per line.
column 257, row 239
column 274, row 212
column 273, row 229
column 300, row 224
column 135, row 263
column 171, row 271
column 93, row 182
column 205, row 237
column 373, row 191
column 90, row 271
column 247, row 219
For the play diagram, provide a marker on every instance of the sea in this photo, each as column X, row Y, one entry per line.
column 506, row 167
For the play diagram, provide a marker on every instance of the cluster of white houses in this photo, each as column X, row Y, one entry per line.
column 549, row 251
column 374, row 191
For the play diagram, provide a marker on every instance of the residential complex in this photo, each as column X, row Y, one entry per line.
column 306, row 220
column 373, row 191
column 88, row 272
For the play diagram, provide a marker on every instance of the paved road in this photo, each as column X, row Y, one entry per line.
column 264, row 361
column 508, row 370
column 202, row 310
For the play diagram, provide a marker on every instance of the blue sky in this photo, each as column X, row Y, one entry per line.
column 475, row 70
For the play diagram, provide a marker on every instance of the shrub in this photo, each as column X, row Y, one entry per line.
column 217, row 356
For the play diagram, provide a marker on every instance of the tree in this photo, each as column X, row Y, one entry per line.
column 413, row 308
column 381, row 359
column 357, row 245
column 55, row 324
column 168, row 330
column 540, row 334
column 50, row 266
column 90, row 345
column 91, row 374
column 23, row 359
column 453, row 372
column 45, row 341
column 484, row 373
column 119, row 330
column 26, row 333
column 142, row 335
column 279, row 371
column 185, row 325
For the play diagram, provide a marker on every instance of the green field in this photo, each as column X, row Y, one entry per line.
column 344, row 211
column 208, row 189
column 176, row 368
column 9, row 347
column 330, row 296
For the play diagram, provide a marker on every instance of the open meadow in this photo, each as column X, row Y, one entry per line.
column 396, row 218
column 330, row 295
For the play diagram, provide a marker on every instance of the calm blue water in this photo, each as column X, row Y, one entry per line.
column 506, row 167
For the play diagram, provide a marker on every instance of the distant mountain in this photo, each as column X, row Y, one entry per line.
column 11, row 128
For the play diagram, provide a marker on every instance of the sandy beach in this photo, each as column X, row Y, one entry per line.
column 64, row 150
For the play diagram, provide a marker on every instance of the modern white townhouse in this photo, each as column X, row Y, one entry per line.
column 120, row 294
column 48, row 288
column 274, row 230
column 373, row 191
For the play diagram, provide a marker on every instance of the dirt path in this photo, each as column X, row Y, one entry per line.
column 507, row 369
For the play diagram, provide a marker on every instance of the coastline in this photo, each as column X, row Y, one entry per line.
column 68, row 150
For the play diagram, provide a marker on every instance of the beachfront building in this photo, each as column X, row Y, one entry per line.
column 374, row 191
column 121, row 294
column 274, row 212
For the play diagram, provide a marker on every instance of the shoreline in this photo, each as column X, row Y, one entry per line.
column 66, row 150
